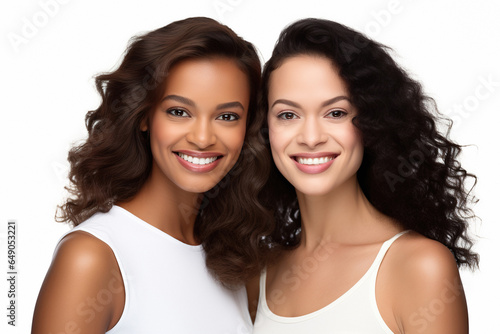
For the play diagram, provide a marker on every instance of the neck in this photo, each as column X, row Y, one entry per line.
column 343, row 216
column 165, row 206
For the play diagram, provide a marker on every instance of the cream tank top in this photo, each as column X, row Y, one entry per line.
column 168, row 288
column 355, row 311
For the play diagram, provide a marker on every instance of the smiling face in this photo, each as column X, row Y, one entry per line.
column 314, row 143
column 198, row 128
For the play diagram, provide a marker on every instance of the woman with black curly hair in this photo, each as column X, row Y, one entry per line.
column 371, row 208
column 164, row 189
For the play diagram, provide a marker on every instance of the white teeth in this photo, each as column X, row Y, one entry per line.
column 315, row 161
column 196, row 160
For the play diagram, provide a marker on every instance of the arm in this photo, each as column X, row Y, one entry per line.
column 431, row 297
column 82, row 291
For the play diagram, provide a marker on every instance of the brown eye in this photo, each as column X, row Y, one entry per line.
column 230, row 117
column 287, row 115
column 178, row 112
column 336, row 113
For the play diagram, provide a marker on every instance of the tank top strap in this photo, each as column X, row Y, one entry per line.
column 372, row 271
column 383, row 250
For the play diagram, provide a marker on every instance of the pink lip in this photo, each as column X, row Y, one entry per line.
column 198, row 168
column 313, row 169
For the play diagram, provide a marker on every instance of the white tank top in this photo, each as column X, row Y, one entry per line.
column 355, row 311
column 168, row 288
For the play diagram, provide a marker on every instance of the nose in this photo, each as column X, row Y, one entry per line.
column 312, row 133
column 202, row 133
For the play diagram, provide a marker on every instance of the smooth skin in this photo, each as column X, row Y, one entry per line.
column 418, row 288
column 203, row 112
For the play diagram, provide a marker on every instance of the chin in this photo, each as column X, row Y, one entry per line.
column 313, row 191
column 318, row 187
column 197, row 188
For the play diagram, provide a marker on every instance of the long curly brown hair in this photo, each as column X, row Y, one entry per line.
column 115, row 160
column 410, row 171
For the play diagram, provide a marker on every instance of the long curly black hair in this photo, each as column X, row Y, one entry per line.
column 410, row 171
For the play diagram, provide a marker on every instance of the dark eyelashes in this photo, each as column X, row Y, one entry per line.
column 233, row 117
column 335, row 113
column 283, row 115
column 180, row 112
column 177, row 112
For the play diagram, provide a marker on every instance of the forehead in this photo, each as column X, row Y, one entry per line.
column 203, row 69
column 208, row 79
column 306, row 72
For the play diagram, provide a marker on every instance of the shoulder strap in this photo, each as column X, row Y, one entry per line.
column 385, row 247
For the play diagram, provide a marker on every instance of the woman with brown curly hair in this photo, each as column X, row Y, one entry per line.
column 370, row 202
column 164, row 194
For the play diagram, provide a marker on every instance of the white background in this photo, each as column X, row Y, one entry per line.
column 47, row 72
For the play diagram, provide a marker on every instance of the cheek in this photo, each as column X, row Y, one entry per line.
column 274, row 141
column 349, row 136
column 233, row 138
column 279, row 139
column 354, row 143
column 163, row 134
column 357, row 138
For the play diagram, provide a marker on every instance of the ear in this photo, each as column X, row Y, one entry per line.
column 144, row 124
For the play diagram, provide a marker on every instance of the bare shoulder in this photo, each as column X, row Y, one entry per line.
column 81, row 250
column 82, row 268
column 413, row 254
column 426, row 285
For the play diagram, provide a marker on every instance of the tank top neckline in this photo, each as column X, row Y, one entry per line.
column 374, row 266
column 156, row 230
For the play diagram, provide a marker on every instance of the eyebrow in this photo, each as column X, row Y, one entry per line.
column 180, row 99
column 227, row 105
column 324, row 104
column 335, row 99
column 191, row 103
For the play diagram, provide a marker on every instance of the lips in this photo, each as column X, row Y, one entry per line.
column 314, row 163
column 198, row 162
